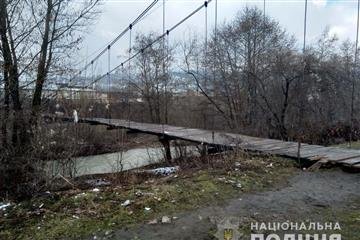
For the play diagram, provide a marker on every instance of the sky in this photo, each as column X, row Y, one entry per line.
column 339, row 16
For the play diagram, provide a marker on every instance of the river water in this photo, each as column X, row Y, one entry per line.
column 113, row 162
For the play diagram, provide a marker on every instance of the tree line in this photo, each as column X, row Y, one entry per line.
column 253, row 78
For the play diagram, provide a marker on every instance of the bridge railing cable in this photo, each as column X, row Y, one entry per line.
column 160, row 37
column 117, row 38
column 354, row 73
column 146, row 47
column 140, row 17
column 301, row 108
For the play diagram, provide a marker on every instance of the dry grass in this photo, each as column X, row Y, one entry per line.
column 87, row 212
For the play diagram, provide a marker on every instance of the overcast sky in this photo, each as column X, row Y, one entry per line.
column 338, row 15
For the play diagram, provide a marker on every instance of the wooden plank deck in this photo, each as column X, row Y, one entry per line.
column 347, row 157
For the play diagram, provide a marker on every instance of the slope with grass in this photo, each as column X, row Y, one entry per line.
column 76, row 213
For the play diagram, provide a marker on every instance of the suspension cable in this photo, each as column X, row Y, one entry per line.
column 354, row 75
column 301, row 107
column 305, row 26
column 264, row 9
column 155, row 40
column 206, row 43
column 140, row 17
column 215, row 39
column 264, row 26
column 206, row 23
column 214, row 68
column 151, row 43
column 129, row 71
column 167, row 73
column 119, row 36
column 93, row 91
column 164, row 119
column 216, row 18
column 357, row 32
column 108, row 80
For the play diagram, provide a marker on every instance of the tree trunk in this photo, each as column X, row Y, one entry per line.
column 6, row 109
column 10, row 66
column 42, row 69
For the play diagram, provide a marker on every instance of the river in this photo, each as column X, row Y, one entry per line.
column 113, row 162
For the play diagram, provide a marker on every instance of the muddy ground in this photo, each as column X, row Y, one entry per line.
column 308, row 196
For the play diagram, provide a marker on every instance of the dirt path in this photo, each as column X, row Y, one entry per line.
column 305, row 193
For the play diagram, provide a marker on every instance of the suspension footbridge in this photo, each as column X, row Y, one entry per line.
column 315, row 153
column 166, row 133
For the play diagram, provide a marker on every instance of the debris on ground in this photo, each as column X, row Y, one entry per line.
column 97, row 182
column 152, row 222
column 139, row 193
column 96, row 190
column 234, row 183
column 147, row 209
column 269, row 165
column 164, row 171
column 316, row 166
column 165, row 219
column 80, row 195
column 3, row 206
column 157, row 198
column 126, row 203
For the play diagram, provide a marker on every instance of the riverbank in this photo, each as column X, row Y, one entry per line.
column 67, row 140
column 134, row 198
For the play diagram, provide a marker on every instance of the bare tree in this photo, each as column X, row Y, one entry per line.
column 58, row 34
column 35, row 36
column 153, row 80
column 249, row 62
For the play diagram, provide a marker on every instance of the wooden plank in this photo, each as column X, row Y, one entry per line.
column 259, row 145
column 356, row 166
column 340, row 156
column 275, row 149
column 244, row 138
column 263, row 142
column 272, row 146
column 334, row 154
column 353, row 161
column 283, row 148
column 218, row 141
column 187, row 133
column 306, row 151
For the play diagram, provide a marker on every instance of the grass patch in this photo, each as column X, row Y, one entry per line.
column 76, row 213
column 348, row 218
